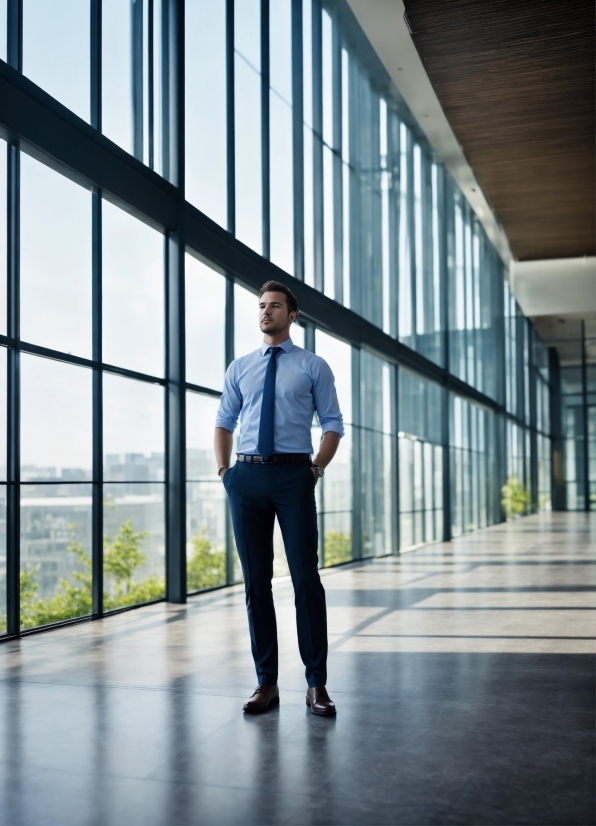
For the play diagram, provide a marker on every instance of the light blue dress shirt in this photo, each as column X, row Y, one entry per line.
column 304, row 384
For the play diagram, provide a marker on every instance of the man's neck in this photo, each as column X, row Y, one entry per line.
column 277, row 338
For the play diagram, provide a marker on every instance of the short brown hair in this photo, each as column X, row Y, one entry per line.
column 278, row 287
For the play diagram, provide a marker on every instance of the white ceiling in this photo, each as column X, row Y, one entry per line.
column 561, row 286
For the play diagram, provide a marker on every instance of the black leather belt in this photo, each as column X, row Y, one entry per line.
column 276, row 457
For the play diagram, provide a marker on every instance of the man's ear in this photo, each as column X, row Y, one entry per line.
column 293, row 316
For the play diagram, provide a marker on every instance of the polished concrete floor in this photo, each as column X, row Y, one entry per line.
column 463, row 676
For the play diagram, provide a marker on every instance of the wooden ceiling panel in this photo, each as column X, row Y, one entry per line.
column 516, row 81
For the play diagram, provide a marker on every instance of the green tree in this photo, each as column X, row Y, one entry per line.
column 338, row 547
column 206, row 567
column 122, row 557
column 515, row 498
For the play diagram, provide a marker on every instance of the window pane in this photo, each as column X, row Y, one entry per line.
column 2, row 559
column 282, row 208
column 55, row 260
column 56, row 50
column 377, row 450
column 3, row 28
column 249, row 221
column 134, row 544
column 205, row 498
column 247, row 31
column 3, row 219
column 205, row 324
column 205, row 55
column 334, row 490
column 297, row 335
column 338, row 356
column 56, row 420
column 129, row 117
column 133, row 293
column 281, row 160
column 3, row 401
column 133, row 434
column 55, row 553
column 247, row 334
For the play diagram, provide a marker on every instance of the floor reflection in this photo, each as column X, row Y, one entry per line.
column 463, row 676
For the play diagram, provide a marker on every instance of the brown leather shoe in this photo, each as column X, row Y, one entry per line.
column 263, row 698
column 319, row 702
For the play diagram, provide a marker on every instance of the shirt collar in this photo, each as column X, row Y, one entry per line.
column 286, row 346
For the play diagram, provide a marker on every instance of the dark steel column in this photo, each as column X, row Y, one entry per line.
column 229, row 357
column 533, row 379
column 150, row 88
column 558, row 492
column 356, row 457
column 586, row 444
column 13, row 458
column 338, row 213
column 265, row 130
column 317, row 149
column 136, row 47
column 445, row 219
column 97, row 521
column 298, row 137
column 230, row 118
column 231, row 192
column 96, row 275
column 175, row 326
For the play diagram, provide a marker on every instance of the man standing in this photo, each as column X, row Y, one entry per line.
column 275, row 392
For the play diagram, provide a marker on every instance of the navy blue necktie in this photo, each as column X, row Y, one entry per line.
column 265, row 443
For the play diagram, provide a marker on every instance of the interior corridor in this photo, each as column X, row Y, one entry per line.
column 463, row 674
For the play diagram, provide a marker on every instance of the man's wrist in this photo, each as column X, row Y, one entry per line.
column 223, row 467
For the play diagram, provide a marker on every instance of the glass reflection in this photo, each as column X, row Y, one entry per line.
column 3, row 225
column 247, row 62
column 247, row 335
column 56, row 423
column 132, row 78
column 3, row 412
column 133, row 293
column 420, row 461
column 55, row 262
column 134, row 544
column 377, row 455
column 55, row 553
column 56, row 53
column 206, row 503
column 205, row 89
column 2, row 559
column 334, row 490
column 205, row 324
column 133, row 435
column 3, row 28
column 282, row 183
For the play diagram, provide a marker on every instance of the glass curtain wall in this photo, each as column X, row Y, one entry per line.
column 475, row 300
column 542, row 422
column 473, row 466
column 90, row 479
column 335, row 489
column 420, row 461
column 574, row 438
column 296, row 144
column 377, row 472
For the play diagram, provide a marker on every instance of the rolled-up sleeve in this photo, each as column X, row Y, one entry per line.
column 230, row 403
column 325, row 396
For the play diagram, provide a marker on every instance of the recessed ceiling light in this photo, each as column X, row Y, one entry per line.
column 473, row 190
